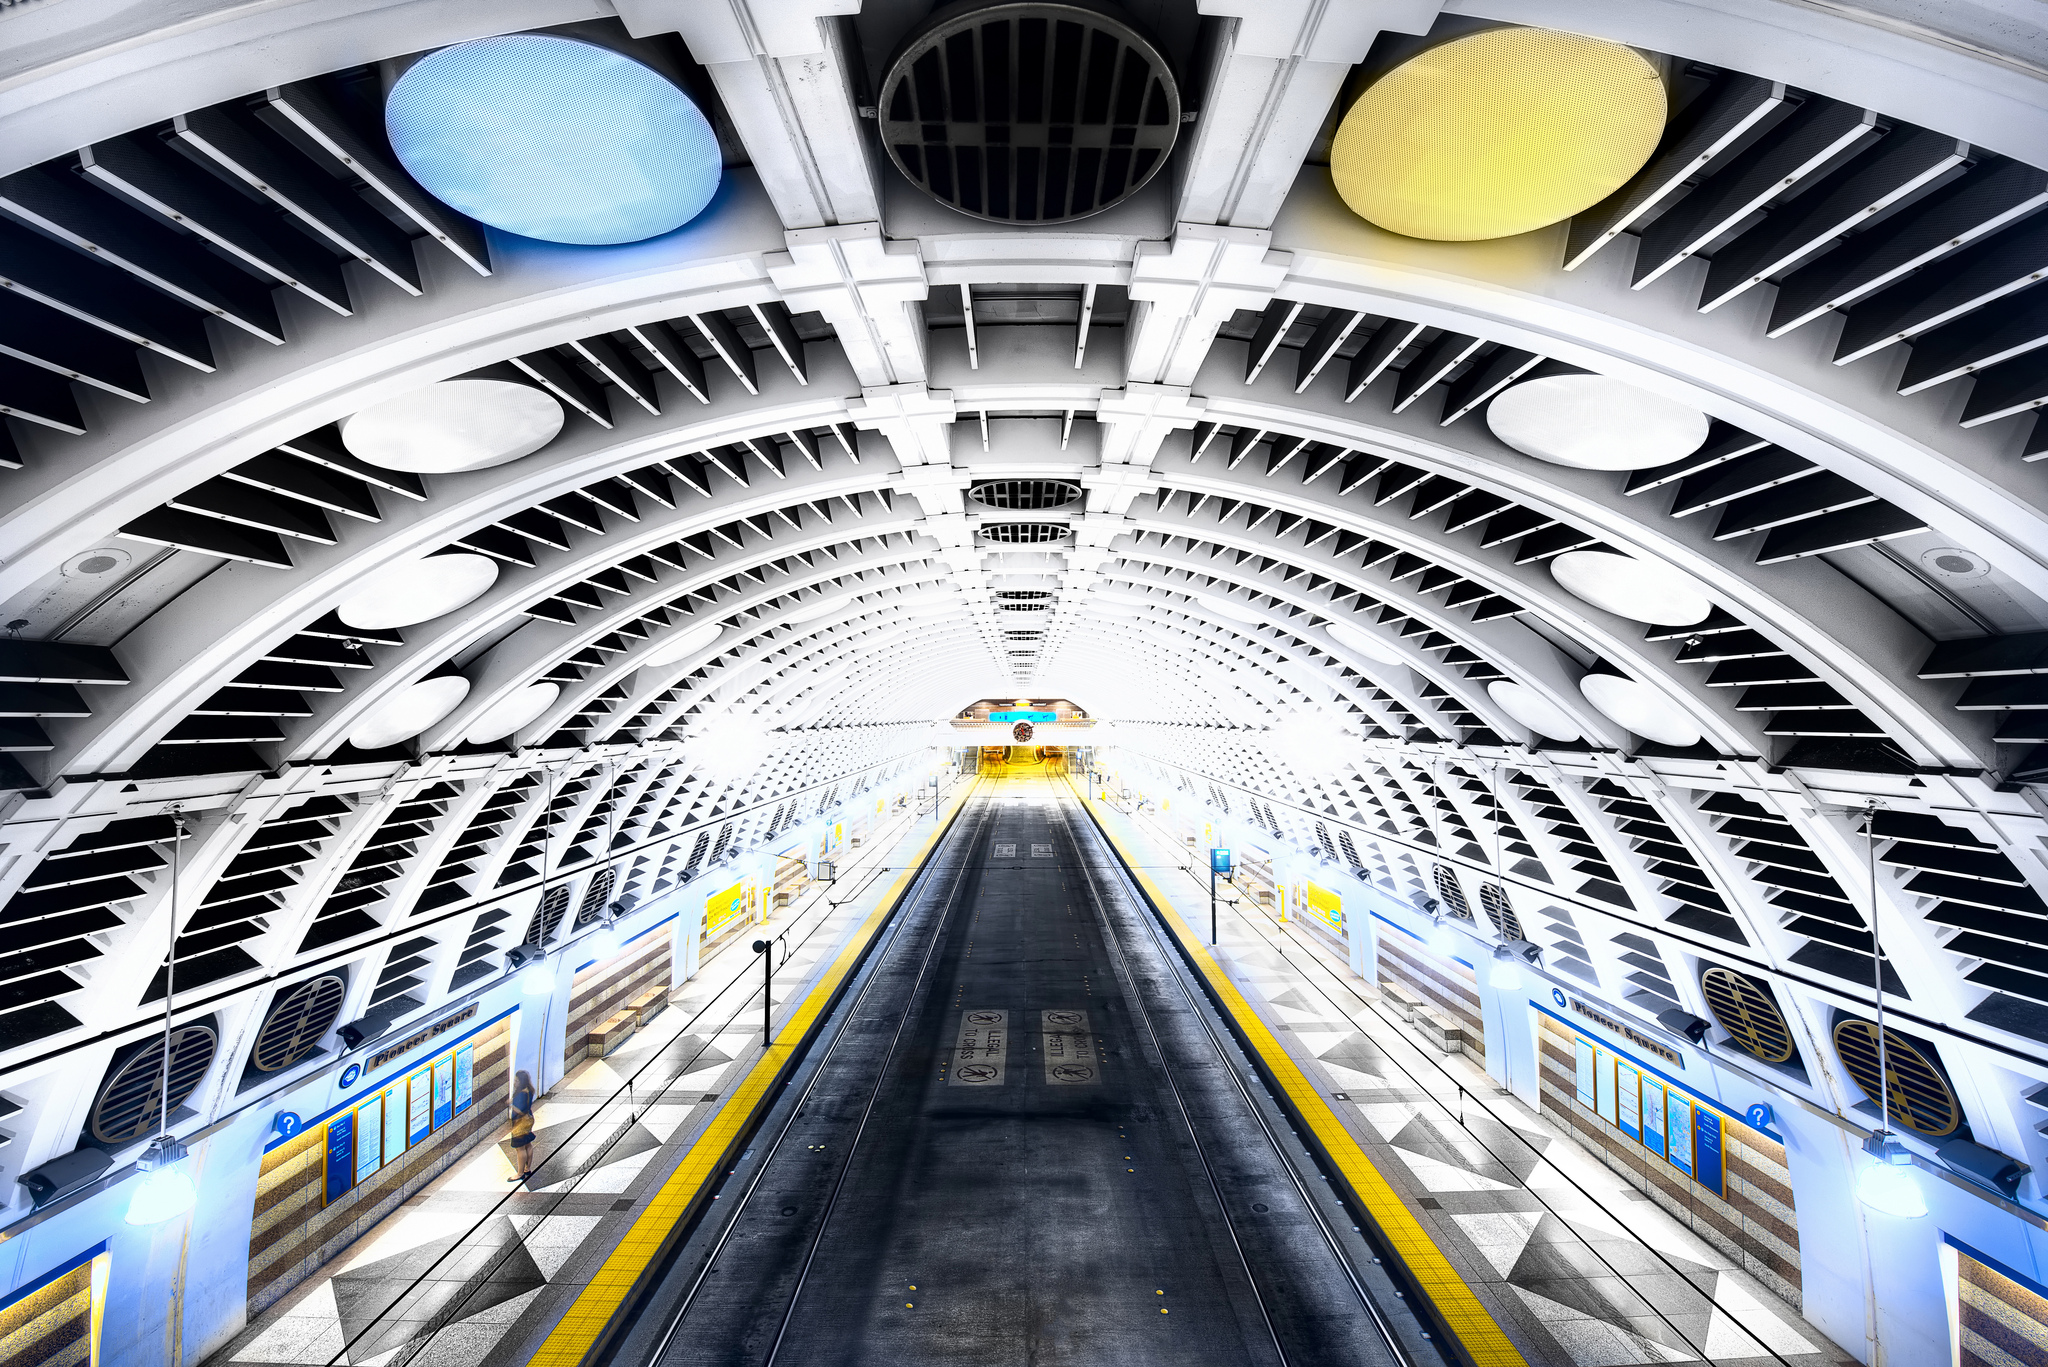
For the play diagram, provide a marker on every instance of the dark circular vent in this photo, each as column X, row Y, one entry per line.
column 298, row 1018
column 130, row 1104
column 595, row 897
column 1025, row 495
column 1022, row 595
column 1024, row 607
column 1032, row 635
column 1028, row 113
column 1743, row 1008
column 1916, row 1095
column 1025, row 533
column 1494, row 898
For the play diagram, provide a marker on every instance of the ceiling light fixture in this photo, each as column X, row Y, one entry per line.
column 512, row 712
column 1640, row 590
column 418, row 590
column 1497, row 133
column 453, row 426
column 1365, row 643
column 684, row 645
column 1592, row 422
column 1641, row 709
column 1533, row 710
column 408, row 712
column 554, row 138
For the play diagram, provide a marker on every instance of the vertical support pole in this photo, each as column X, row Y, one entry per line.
column 766, row 949
column 1212, row 904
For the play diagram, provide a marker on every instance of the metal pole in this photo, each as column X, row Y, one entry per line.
column 1212, row 901
column 766, row 949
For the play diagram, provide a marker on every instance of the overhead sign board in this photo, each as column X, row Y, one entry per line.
column 1024, row 714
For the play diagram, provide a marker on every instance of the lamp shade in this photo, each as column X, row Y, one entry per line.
column 417, row 590
column 554, row 138
column 1641, row 709
column 1591, row 422
column 408, row 712
column 684, row 644
column 453, row 426
column 1640, row 590
column 1533, row 710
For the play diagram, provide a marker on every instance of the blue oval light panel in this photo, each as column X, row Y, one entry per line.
column 554, row 138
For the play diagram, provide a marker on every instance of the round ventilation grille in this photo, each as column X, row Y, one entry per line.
column 298, row 1019
column 1025, row 495
column 1024, row 607
column 130, row 1104
column 1917, row 1095
column 1028, row 113
column 1025, row 533
column 594, row 897
column 1500, row 911
column 1450, row 896
column 1745, row 1010
column 1023, row 595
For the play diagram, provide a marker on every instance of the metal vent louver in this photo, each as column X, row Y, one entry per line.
column 129, row 1106
column 298, row 1019
column 1743, row 1008
column 1025, row 533
column 1025, row 495
column 1494, row 898
column 1028, row 113
column 1449, row 894
column 1917, row 1095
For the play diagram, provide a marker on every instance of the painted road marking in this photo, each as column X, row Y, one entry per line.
column 1072, row 1058
column 1041, row 851
column 1008, row 851
column 983, row 1051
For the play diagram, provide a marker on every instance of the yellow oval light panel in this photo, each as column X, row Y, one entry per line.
column 1497, row 133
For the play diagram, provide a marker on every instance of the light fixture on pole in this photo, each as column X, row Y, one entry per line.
column 1504, row 973
column 1887, row 1185
column 166, row 1189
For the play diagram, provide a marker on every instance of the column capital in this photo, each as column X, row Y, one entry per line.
column 866, row 287
column 913, row 417
column 1184, row 290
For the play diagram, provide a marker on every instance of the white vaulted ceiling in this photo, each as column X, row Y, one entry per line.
column 1224, row 464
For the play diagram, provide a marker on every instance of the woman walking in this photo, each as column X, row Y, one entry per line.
column 522, row 1124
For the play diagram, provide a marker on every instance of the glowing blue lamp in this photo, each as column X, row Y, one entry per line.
column 554, row 138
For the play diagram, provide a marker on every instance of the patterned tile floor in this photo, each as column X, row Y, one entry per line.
column 475, row 1268
column 1580, row 1268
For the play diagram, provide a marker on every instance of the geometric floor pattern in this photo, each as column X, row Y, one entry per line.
column 474, row 1266
column 1578, row 1267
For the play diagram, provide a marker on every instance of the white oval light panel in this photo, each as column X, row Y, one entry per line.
column 454, row 425
column 513, row 711
column 1533, row 710
column 1365, row 643
column 688, row 643
column 1591, row 422
column 414, row 591
column 1640, row 590
column 408, row 712
column 1235, row 609
column 1641, row 709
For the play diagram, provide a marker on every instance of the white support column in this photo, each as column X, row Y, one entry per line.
column 1268, row 90
column 1136, row 420
column 783, row 74
column 1183, row 290
column 867, row 288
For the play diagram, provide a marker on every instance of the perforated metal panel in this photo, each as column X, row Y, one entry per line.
column 1745, row 1010
column 130, row 1104
column 1916, row 1094
column 1029, row 113
column 298, row 1018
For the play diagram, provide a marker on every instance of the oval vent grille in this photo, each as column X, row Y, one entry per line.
column 1745, row 1010
column 1029, row 113
column 1024, row 533
column 1450, row 895
column 130, row 1104
column 298, row 1019
column 1025, row 495
column 1917, row 1095
column 1500, row 911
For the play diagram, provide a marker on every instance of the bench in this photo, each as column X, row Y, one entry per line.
column 616, row 1030
column 1404, row 1002
column 1440, row 1030
column 648, row 1004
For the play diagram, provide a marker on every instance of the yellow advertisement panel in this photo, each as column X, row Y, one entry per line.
column 1323, row 904
column 723, row 905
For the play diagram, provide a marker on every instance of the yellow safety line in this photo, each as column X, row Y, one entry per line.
column 1467, row 1319
column 584, row 1325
